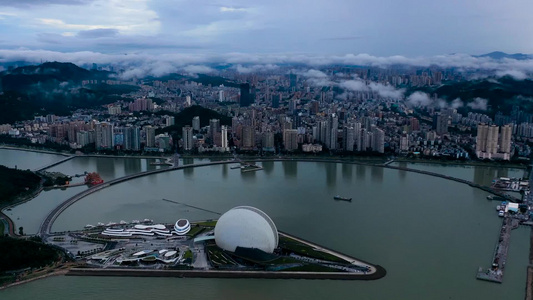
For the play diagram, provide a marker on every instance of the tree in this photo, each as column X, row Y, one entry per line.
column 21, row 230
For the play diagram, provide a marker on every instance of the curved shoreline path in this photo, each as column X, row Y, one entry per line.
column 46, row 225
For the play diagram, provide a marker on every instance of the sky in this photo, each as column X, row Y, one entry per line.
column 263, row 32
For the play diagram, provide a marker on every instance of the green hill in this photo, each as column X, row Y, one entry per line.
column 501, row 94
column 53, row 88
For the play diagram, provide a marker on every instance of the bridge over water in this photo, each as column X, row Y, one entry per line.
column 52, row 216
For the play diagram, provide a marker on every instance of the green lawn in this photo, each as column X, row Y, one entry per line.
column 305, row 250
column 195, row 230
column 208, row 223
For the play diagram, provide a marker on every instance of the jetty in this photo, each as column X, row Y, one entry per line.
column 495, row 272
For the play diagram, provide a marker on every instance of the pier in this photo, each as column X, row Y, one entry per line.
column 54, row 163
column 495, row 272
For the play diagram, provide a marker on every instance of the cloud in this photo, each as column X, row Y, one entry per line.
column 245, row 62
column 30, row 3
column 232, row 9
column 198, row 69
column 419, row 99
column 516, row 74
column 354, row 85
column 255, row 68
column 312, row 73
column 478, row 104
column 457, row 103
column 385, row 91
column 98, row 33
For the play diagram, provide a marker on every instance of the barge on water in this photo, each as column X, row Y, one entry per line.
column 337, row 197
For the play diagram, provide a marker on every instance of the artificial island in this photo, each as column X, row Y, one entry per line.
column 243, row 243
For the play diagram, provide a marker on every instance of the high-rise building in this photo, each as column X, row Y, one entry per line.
column 224, row 137
column 442, row 123
column 104, row 136
column 276, row 98
column 187, row 136
column 169, row 121
column 415, row 124
column 132, row 138
column 487, row 142
column 196, row 123
column 334, row 128
column 214, row 129
column 348, row 138
column 114, row 109
column 378, row 140
column 245, row 97
column 268, row 141
column 248, row 137
column 505, row 139
column 293, row 79
column 221, row 96
column 290, row 139
column 149, row 132
column 82, row 138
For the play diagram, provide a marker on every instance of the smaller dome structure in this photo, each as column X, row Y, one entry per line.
column 182, row 226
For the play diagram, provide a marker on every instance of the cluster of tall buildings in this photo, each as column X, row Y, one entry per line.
column 216, row 138
column 493, row 142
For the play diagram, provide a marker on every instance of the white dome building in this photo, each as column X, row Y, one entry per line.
column 182, row 226
column 247, row 227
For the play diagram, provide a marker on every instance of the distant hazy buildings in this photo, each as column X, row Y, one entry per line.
column 245, row 97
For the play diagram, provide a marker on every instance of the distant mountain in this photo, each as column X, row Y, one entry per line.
column 53, row 88
column 48, row 74
column 501, row 94
column 502, row 55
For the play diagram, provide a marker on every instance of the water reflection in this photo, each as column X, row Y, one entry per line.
column 347, row 172
column 402, row 173
column 331, row 174
column 188, row 172
column 188, row 161
column 268, row 166
column 106, row 167
column 360, row 172
column 132, row 166
column 225, row 171
column 377, row 174
column 249, row 177
column 290, row 169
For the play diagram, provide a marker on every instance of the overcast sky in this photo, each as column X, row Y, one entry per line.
column 409, row 28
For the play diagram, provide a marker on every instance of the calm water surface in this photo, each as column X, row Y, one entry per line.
column 429, row 233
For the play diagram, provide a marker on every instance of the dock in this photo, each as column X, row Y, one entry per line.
column 495, row 272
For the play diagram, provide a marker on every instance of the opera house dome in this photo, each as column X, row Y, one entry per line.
column 247, row 227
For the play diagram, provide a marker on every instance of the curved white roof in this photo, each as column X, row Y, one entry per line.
column 246, row 226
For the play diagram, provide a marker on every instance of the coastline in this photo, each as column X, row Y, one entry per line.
column 57, row 272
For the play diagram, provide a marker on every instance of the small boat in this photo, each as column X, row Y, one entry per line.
column 135, row 222
column 501, row 213
column 498, row 207
column 337, row 197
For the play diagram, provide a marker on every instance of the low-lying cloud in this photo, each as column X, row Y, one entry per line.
column 478, row 104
